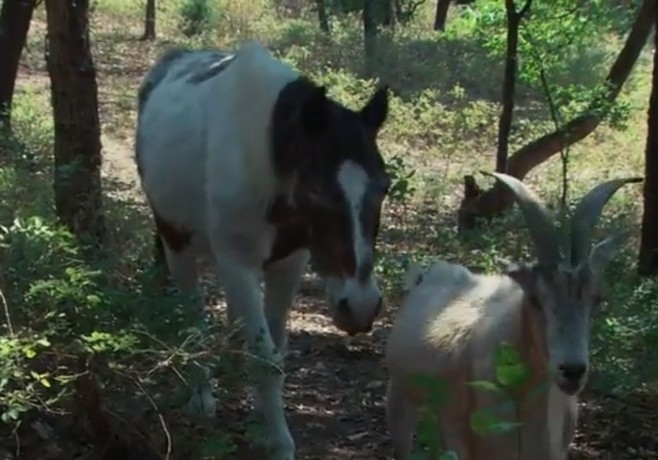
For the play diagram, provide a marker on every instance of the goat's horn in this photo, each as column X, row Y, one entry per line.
column 587, row 214
column 538, row 219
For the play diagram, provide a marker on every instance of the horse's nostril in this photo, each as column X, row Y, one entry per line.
column 573, row 371
column 343, row 306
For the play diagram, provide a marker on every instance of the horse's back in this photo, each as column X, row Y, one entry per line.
column 203, row 145
column 171, row 135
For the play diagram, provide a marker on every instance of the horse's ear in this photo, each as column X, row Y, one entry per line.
column 316, row 111
column 374, row 113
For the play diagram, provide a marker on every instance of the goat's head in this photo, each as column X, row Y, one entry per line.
column 565, row 284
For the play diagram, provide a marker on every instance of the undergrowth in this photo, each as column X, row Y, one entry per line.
column 65, row 316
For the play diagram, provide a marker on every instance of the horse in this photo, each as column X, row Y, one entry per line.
column 243, row 158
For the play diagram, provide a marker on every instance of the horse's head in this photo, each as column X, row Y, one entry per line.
column 340, row 182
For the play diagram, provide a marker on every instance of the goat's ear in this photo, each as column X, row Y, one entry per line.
column 316, row 112
column 375, row 111
column 603, row 252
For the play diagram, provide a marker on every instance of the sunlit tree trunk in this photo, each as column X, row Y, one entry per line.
column 442, row 7
column 323, row 17
column 149, row 21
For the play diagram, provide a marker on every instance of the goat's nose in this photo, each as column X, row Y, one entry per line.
column 573, row 371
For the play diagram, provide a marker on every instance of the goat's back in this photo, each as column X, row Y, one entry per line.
column 449, row 319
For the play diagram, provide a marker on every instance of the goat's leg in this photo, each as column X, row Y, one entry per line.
column 401, row 418
column 243, row 294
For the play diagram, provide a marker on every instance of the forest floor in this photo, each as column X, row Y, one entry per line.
column 335, row 387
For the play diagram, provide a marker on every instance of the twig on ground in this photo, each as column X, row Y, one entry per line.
column 163, row 423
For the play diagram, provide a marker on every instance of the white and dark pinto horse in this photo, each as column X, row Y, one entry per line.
column 243, row 158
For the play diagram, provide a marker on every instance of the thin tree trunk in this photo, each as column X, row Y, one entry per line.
column 370, row 33
column 15, row 18
column 149, row 21
column 441, row 15
column 514, row 19
column 77, row 181
column 520, row 163
column 323, row 17
column 648, row 258
column 389, row 13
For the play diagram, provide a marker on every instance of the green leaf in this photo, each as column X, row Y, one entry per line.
column 510, row 369
column 41, row 378
column 29, row 353
column 485, row 385
column 10, row 414
column 449, row 455
column 482, row 421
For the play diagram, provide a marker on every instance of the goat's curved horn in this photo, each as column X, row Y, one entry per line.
column 538, row 219
column 587, row 213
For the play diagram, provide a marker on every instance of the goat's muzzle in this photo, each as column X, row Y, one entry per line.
column 571, row 378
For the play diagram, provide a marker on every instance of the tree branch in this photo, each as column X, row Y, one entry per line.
column 534, row 153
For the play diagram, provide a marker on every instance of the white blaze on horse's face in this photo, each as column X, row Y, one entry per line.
column 356, row 299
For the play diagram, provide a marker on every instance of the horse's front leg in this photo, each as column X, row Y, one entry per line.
column 244, row 298
column 281, row 284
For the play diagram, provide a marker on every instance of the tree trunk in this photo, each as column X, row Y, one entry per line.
column 521, row 162
column 74, row 96
column 15, row 18
column 323, row 17
column 370, row 33
column 514, row 19
column 648, row 259
column 442, row 7
column 149, row 21
column 389, row 13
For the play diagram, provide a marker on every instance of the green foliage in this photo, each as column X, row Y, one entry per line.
column 556, row 38
column 442, row 125
column 511, row 374
column 401, row 179
column 195, row 17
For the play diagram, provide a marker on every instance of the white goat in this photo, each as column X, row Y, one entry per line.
column 452, row 321
column 245, row 159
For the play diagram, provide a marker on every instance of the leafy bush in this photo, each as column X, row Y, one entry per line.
column 195, row 17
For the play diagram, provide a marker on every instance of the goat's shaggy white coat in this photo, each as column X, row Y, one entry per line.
column 448, row 327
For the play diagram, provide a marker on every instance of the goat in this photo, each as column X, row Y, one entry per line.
column 452, row 320
column 243, row 158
